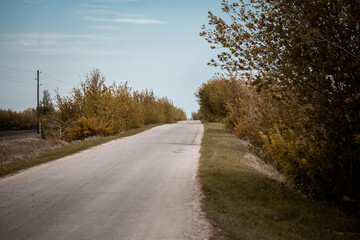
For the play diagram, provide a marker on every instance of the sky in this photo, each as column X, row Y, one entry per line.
column 153, row 44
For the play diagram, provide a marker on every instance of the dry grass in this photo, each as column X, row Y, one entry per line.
column 264, row 168
column 23, row 149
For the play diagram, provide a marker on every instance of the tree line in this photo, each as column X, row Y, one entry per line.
column 94, row 109
column 292, row 88
column 13, row 120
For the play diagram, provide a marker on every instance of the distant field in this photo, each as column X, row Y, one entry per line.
column 22, row 145
column 17, row 134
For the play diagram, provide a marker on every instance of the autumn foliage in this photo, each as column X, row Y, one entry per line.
column 94, row 109
column 297, row 94
column 13, row 120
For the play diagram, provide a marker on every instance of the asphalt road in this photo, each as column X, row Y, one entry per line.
column 138, row 187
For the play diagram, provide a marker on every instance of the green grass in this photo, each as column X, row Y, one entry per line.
column 244, row 204
column 71, row 148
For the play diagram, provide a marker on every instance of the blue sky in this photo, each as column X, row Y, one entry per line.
column 151, row 44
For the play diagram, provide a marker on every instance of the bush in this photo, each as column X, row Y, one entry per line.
column 284, row 133
column 94, row 109
column 305, row 56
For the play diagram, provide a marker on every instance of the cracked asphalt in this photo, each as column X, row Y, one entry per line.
column 138, row 187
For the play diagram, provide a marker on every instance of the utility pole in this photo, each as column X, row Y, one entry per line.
column 38, row 109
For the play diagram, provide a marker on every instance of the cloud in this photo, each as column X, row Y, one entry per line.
column 48, row 39
column 64, row 44
column 124, row 20
column 91, row 6
column 140, row 21
column 98, row 13
column 34, row 1
column 114, row 1
column 81, row 51
column 103, row 12
column 104, row 27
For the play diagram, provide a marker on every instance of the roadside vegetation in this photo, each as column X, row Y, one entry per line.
column 24, row 148
column 195, row 115
column 94, row 109
column 92, row 112
column 13, row 120
column 292, row 89
column 245, row 200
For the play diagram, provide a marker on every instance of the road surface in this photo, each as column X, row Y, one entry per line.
column 138, row 187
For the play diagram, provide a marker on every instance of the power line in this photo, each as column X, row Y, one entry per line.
column 15, row 81
column 12, row 79
column 48, row 85
column 20, row 70
column 55, row 79
column 6, row 76
column 15, row 69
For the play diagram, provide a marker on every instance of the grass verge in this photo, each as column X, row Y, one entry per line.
column 245, row 204
column 71, row 148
